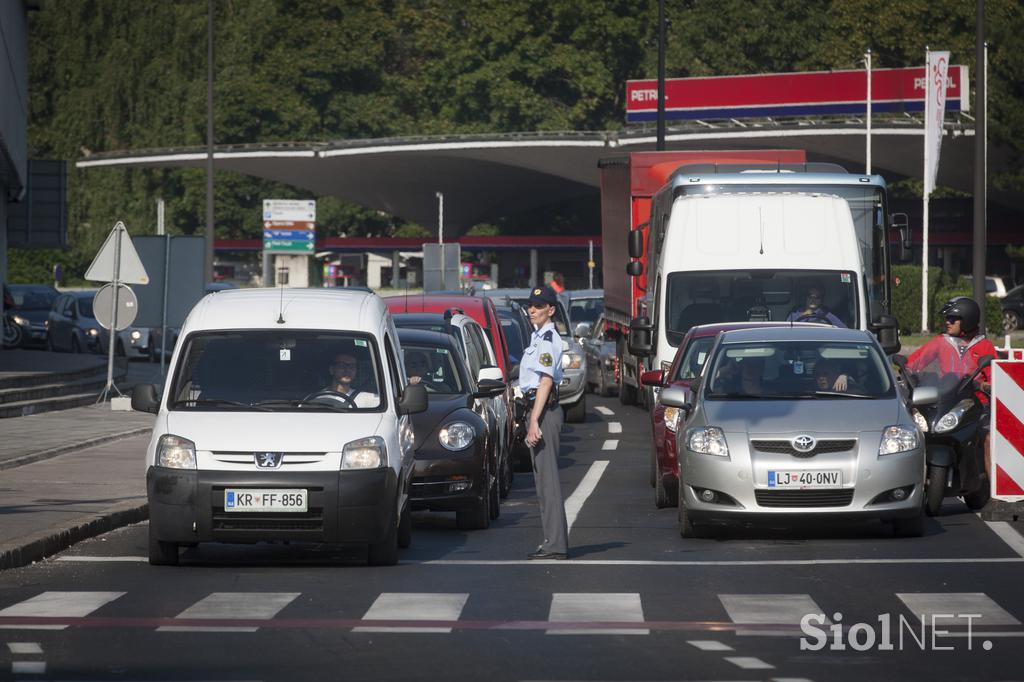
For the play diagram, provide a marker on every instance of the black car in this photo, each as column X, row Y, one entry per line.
column 32, row 303
column 456, row 460
column 1013, row 309
column 516, row 324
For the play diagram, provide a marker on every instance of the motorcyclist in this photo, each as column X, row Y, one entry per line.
column 958, row 351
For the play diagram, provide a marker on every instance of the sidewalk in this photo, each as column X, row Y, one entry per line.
column 70, row 474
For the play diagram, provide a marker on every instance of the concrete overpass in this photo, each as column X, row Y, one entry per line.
column 484, row 177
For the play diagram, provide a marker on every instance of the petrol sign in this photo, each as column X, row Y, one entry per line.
column 791, row 94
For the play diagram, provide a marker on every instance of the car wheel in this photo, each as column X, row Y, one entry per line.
column 687, row 529
column 494, row 495
column 405, row 527
column 477, row 517
column 1011, row 321
column 979, row 498
column 384, row 553
column 577, row 413
column 909, row 528
column 49, row 343
column 935, row 490
column 665, row 495
column 162, row 553
column 76, row 347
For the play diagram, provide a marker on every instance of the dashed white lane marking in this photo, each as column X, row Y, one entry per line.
column 28, row 667
column 224, row 605
column 927, row 604
column 749, row 663
column 768, row 609
column 56, row 605
column 429, row 606
column 574, row 504
column 25, row 647
column 604, row 410
column 597, row 607
column 610, row 445
column 614, row 427
column 1008, row 535
column 709, row 645
column 79, row 557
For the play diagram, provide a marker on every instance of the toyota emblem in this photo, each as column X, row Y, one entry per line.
column 804, row 443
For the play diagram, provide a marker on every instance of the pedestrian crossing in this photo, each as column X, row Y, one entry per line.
column 568, row 613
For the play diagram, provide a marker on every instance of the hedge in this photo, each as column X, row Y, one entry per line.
column 35, row 266
column 906, row 299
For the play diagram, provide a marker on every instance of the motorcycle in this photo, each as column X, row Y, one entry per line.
column 953, row 421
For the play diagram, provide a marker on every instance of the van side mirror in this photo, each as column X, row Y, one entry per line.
column 490, row 373
column 413, row 400
column 886, row 328
column 636, row 243
column 640, row 331
column 488, row 388
column 145, row 398
column 634, row 268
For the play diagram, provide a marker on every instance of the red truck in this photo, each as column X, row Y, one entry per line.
column 628, row 184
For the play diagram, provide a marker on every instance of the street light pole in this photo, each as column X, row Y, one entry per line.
column 208, row 259
column 660, row 145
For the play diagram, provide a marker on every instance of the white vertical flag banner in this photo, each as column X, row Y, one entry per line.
column 936, row 79
column 934, row 113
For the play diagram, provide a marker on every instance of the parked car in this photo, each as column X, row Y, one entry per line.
column 571, row 394
column 475, row 349
column 771, row 432
column 283, row 431
column 456, row 458
column 994, row 285
column 71, row 325
column 1013, row 309
column 515, row 322
column 585, row 305
column 32, row 303
column 602, row 360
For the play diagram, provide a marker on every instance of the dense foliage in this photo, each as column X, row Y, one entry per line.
column 110, row 75
column 906, row 299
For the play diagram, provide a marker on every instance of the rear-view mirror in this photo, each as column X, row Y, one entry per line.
column 582, row 330
column 654, row 377
column 145, row 398
column 414, row 399
column 674, row 397
column 636, row 243
column 925, row 395
column 490, row 374
column 488, row 388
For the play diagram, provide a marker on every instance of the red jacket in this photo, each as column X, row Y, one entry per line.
column 952, row 357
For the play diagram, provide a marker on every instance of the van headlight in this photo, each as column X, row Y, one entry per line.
column 707, row 440
column 572, row 360
column 951, row 419
column 897, row 439
column 365, row 453
column 457, row 435
column 175, row 452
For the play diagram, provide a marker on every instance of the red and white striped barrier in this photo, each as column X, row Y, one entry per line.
column 1007, row 444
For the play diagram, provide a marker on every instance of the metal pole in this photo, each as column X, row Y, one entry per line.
column 980, row 132
column 924, row 207
column 111, row 341
column 440, row 238
column 163, row 314
column 590, row 262
column 208, row 260
column 867, row 155
column 661, row 76
column 160, row 216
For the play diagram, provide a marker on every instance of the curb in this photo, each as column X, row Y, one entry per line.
column 45, row 543
column 71, row 447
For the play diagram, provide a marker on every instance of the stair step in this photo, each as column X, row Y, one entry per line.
column 26, row 379
column 53, row 390
column 64, row 402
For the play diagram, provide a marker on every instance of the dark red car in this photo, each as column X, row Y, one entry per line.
column 686, row 366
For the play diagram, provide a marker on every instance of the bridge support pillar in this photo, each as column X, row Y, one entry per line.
column 396, row 267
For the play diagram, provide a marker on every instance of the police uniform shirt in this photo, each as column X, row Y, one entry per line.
column 544, row 356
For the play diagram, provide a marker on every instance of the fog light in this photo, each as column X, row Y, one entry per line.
column 707, row 495
column 899, row 494
column 456, row 484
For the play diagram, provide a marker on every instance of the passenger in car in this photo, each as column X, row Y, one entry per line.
column 416, row 366
column 830, row 377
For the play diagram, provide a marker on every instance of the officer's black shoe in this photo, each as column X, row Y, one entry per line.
column 544, row 554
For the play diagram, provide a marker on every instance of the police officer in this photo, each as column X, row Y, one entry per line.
column 539, row 375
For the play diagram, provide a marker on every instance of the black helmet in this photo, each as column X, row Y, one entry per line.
column 967, row 309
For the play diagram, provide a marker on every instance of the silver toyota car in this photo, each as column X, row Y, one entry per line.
column 789, row 422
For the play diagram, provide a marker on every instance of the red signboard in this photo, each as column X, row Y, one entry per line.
column 791, row 94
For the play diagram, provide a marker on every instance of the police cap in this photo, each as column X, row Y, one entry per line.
column 543, row 296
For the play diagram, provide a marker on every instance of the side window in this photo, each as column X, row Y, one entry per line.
column 483, row 347
column 394, row 369
column 472, row 353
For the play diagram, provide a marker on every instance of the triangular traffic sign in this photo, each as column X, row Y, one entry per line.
column 131, row 268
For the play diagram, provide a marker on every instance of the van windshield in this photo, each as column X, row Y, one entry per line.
column 278, row 371
column 798, row 370
column 822, row 296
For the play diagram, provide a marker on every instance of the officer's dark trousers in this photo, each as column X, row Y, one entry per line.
column 549, row 490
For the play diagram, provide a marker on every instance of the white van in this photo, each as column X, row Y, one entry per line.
column 284, row 417
column 753, row 256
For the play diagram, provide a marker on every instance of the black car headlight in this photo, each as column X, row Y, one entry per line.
column 457, row 435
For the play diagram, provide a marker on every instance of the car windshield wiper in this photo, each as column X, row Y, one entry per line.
column 218, row 401
column 839, row 394
column 284, row 402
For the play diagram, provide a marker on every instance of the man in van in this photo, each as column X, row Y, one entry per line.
column 344, row 374
column 814, row 312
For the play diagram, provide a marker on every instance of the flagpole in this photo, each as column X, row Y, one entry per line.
column 867, row 155
column 924, row 206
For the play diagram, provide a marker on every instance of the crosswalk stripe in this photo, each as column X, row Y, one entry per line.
column 596, row 607
column 28, row 667
column 604, row 410
column 426, row 606
column 610, row 444
column 25, row 648
column 614, row 427
column 749, row 663
column 926, row 604
column 57, row 604
column 240, row 605
column 709, row 645
column 768, row 609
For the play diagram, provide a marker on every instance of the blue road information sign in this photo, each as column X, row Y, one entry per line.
column 289, row 226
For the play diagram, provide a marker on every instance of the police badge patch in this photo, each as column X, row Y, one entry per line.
column 545, row 359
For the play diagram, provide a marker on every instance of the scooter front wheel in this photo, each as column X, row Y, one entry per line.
column 935, row 490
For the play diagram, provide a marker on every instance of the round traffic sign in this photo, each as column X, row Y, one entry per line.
column 127, row 306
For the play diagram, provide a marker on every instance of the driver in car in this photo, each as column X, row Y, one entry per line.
column 344, row 374
column 813, row 311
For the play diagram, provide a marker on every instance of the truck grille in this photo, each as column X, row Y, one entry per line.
column 804, row 498
column 785, row 447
